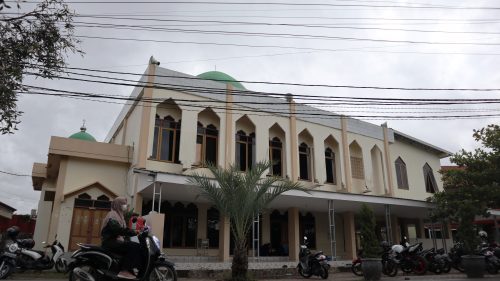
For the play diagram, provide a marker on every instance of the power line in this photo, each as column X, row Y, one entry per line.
column 421, row 6
column 289, row 84
column 15, row 174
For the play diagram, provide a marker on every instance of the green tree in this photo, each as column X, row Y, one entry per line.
column 471, row 189
column 36, row 42
column 369, row 242
column 240, row 196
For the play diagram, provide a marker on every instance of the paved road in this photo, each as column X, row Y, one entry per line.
column 343, row 276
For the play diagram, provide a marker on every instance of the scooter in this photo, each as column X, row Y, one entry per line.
column 93, row 263
column 19, row 254
column 312, row 263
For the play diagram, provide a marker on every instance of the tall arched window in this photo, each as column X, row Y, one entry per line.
column 245, row 150
column 305, row 161
column 401, row 174
column 206, row 144
column 167, row 136
column 331, row 177
column 276, row 156
column 213, row 225
column 430, row 181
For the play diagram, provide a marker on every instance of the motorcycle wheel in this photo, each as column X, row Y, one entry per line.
column 60, row 266
column 89, row 270
column 406, row 267
column 163, row 273
column 459, row 267
column 390, row 268
column 446, row 267
column 302, row 273
column 491, row 268
column 324, row 273
column 437, row 269
column 356, row 268
column 5, row 269
column 419, row 266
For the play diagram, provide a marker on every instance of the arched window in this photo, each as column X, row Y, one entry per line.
column 276, row 156
column 401, row 174
column 206, row 144
column 430, row 181
column 166, row 142
column 331, row 177
column 245, row 150
column 305, row 161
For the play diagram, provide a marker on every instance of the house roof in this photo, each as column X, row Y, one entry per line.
column 11, row 209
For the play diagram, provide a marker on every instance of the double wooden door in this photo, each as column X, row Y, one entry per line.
column 86, row 227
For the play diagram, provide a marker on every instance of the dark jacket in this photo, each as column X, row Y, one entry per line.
column 112, row 230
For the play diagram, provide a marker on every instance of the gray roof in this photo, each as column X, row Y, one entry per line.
column 199, row 87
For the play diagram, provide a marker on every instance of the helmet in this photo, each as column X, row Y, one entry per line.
column 397, row 248
column 483, row 234
column 12, row 232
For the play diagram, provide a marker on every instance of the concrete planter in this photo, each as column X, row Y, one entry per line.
column 474, row 266
column 372, row 269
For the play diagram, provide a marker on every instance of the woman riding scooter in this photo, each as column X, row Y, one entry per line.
column 113, row 233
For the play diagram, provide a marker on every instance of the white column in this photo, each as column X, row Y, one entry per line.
column 187, row 149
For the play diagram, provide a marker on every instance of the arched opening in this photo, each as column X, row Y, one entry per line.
column 306, row 159
column 245, row 144
column 332, row 160
column 207, row 138
column 277, row 150
column 167, row 132
column 377, row 171
column 357, row 167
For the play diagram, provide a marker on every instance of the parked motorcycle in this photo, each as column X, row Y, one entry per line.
column 455, row 255
column 389, row 264
column 312, row 263
column 93, row 263
column 447, row 262
column 19, row 254
column 492, row 262
column 435, row 262
column 408, row 257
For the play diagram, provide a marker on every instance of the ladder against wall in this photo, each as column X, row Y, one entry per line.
column 331, row 221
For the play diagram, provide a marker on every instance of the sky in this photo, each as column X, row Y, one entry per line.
column 402, row 50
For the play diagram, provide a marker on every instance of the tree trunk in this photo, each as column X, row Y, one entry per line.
column 239, row 267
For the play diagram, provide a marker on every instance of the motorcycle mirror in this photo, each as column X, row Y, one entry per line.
column 305, row 237
column 44, row 242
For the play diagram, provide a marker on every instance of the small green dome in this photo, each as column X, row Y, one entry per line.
column 83, row 135
column 221, row 77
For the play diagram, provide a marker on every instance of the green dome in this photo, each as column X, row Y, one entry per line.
column 82, row 135
column 221, row 77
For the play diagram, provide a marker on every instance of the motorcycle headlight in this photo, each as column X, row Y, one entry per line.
column 13, row 247
column 157, row 242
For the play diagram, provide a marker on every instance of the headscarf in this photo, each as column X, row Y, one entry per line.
column 116, row 212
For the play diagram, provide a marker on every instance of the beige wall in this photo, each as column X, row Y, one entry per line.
column 133, row 131
column 84, row 172
column 415, row 160
column 44, row 212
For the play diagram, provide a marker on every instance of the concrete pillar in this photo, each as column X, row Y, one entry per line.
column 293, row 234
column 58, row 199
column 266, row 228
column 319, row 160
column 388, row 164
column 146, row 127
column 421, row 229
column 346, row 155
column 261, row 143
column 156, row 221
column 349, row 235
column 294, row 147
column 202, row 221
column 224, row 238
column 396, row 229
column 137, row 203
column 229, row 128
column 187, row 153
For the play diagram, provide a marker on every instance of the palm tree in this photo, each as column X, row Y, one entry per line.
column 239, row 196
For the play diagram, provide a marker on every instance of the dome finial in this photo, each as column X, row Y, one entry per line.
column 83, row 128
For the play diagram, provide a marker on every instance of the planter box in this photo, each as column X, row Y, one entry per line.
column 372, row 269
column 474, row 266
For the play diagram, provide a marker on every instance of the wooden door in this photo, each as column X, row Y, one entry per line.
column 86, row 227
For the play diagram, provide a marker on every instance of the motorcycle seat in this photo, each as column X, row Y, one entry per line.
column 90, row 247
